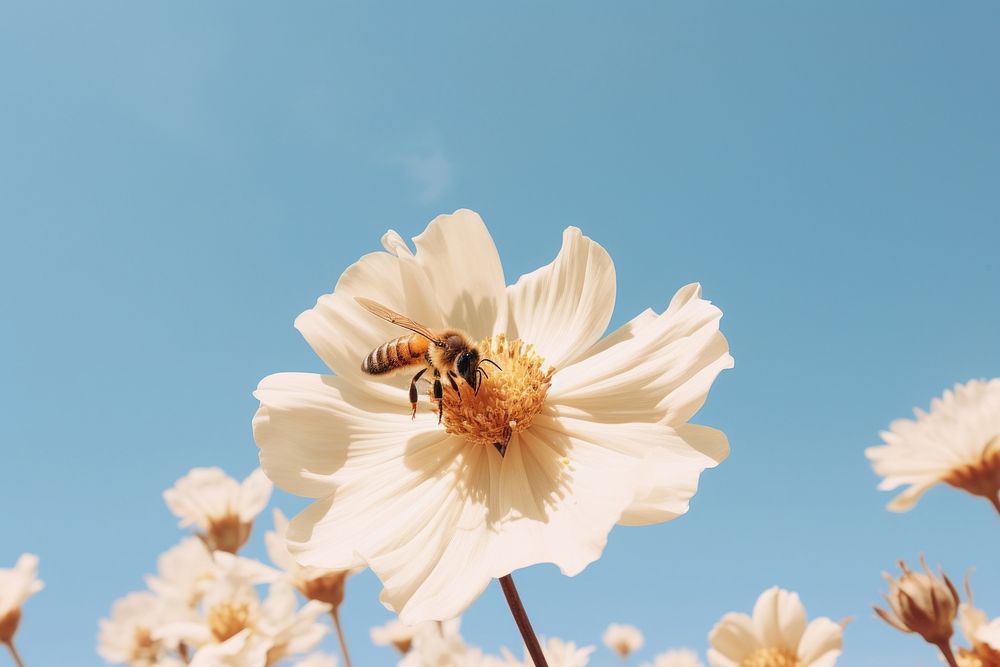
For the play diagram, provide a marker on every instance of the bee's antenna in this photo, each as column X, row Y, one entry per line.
column 492, row 362
column 479, row 382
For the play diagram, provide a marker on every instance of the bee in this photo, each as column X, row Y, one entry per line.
column 449, row 353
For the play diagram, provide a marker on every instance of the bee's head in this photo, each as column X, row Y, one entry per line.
column 466, row 365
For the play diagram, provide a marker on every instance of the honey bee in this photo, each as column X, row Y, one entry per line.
column 450, row 353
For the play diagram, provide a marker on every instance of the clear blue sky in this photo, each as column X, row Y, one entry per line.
column 178, row 180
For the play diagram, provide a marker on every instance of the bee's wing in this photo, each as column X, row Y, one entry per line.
column 402, row 320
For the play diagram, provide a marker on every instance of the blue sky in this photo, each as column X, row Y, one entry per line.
column 179, row 180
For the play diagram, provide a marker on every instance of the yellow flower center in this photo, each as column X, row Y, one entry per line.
column 228, row 619
column 772, row 657
column 507, row 401
column 144, row 647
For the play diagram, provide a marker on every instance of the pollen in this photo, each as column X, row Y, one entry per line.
column 508, row 399
column 772, row 657
column 228, row 619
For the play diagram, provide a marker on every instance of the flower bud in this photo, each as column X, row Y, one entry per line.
column 921, row 603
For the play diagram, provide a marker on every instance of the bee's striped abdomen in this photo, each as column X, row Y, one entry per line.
column 395, row 354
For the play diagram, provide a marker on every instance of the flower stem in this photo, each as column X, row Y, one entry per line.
column 335, row 613
column 945, row 649
column 521, row 618
column 13, row 652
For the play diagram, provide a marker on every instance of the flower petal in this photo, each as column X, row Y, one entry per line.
column 658, row 369
column 255, row 492
column 563, row 485
column 563, row 308
column 671, row 471
column 821, row 643
column 780, row 618
column 733, row 638
column 418, row 519
column 314, row 430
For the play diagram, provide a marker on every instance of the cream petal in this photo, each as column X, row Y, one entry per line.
column 780, row 618
column 671, row 471
column 564, row 307
column 418, row 520
column 716, row 659
column 821, row 643
column 733, row 638
column 463, row 272
column 563, row 486
column 255, row 492
column 314, row 431
column 660, row 368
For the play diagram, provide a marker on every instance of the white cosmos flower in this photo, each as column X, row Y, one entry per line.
column 776, row 636
column 438, row 645
column 127, row 637
column 680, row 657
column 221, row 508
column 434, row 509
column 622, row 639
column 317, row 660
column 17, row 584
column 956, row 443
column 187, row 570
column 558, row 653
column 315, row 583
column 398, row 634
column 982, row 634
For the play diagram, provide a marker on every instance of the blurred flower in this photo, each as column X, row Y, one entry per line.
column 317, row 660
column 397, row 634
column 558, row 653
column 437, row 645
column 127, row 637
column 315, row 583
column 572, row 436
column 982, row 634
column 17, row 584
column 622, row 639
column 921, row 603
column 186, row 571
column 676, row 658
column 957, row 442
column 776, row 636
column 234, row 628
column 221, row 508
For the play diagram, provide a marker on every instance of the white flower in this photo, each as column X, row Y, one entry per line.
column 434, row 509
column 776, row 636
column 127, row 637
column 315, row 583
column 982, row 634
column 558, row 653
column 317, row 660
column 957, row 443
column 397, row 634
column 187, row 570
column 438, row 645
column 17, row 584
column 622, row 639
column 676, row 658
column 292, row 631
column 221, row 508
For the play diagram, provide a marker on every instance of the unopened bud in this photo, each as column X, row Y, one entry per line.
column 921, row 603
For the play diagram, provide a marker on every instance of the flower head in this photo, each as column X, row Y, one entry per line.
column 982, row 634
column 676, row 658
column 558, row 653
column 16, row 586
column 569, row 436
column 128, row 636
column 956, row 443
column 317, row 660
column 397, row 634
column 777, row 635
column 622, row 639
column 220, row 508
column 921, row 603
column 315, row 583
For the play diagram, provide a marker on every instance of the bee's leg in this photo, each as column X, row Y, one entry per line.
column 454, row 385
column 438, row 394
column 413, row 391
